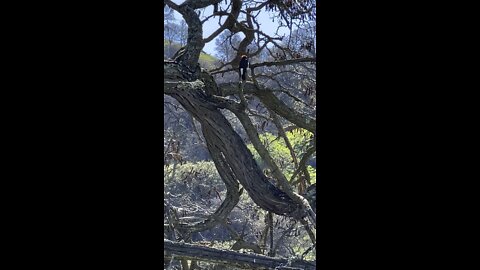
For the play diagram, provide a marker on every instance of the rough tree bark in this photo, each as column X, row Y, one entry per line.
column 222, row 138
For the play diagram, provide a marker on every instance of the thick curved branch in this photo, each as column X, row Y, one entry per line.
column 261, row 149
column 222, row 136
column 219, row 132
column 231, row 199
column 188, row 56
column 265, row 155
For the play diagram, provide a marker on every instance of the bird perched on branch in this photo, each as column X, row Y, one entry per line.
column 243, row 68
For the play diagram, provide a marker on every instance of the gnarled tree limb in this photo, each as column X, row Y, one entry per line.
column 219, row 132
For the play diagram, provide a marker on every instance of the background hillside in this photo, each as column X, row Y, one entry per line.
column 170, row 48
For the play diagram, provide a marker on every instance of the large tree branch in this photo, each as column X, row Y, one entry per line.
column 262, row 150
column 284, row 62
column 188, row 56
column 231, row 199
column 241, row 260
column 264, row 154
column 216, row 127
column 221, row 134
column 274, row 63
column 282, row 181
column 273, row 103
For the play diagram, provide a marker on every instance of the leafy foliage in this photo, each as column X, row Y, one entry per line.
column 300, row 140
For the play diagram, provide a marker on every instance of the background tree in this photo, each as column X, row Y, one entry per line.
column 246, row 182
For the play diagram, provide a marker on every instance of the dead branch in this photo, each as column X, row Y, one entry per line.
column 241, row 260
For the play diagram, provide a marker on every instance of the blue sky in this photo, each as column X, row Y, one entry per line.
column 267, row 26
